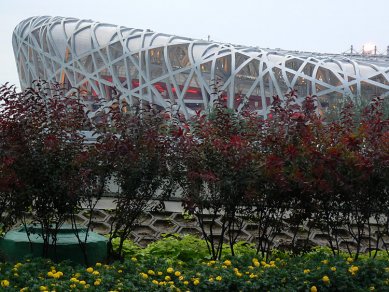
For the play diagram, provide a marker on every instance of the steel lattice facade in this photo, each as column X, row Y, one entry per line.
column 167, row 70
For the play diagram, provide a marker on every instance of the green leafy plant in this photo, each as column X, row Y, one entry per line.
column 129, row 248
column 177, row 247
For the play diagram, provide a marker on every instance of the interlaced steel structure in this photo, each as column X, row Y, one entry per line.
column 171, row 71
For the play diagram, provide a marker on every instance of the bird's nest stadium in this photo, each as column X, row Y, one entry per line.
column 171, row 71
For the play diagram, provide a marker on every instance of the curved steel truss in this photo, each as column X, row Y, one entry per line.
column 169, row 70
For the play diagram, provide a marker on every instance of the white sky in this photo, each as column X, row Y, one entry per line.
column 327, row 26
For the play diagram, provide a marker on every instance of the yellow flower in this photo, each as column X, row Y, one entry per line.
column 313, row 289
column 250, row 267
column 257, row 264
column 97, row 283
column 170, row 270
column 98, row 265
column 167, row 278
column 177, row 273
column 151, row 272
column 325, row 279
column 196, row 282
column 159, row 273
column 82, row 282
column 227, row 263
column 263, row 263
column 186, row 282
column 50, row 274
column 181, row 278
column 353, row 269
column 219, row 278
column 333, row 269
column 252, row 276
column 238, row 274
column 120, row 271
column 155, row 282
column 325, row 262
column 254, row 260
column 73, row 286
column 350, row 260
column 210, row 279
column 144, row 276
column 96, row 273
column 43, row 288
column 75, row 280
column 4, row 283
column 86, row 286
column 89, row 270
column 307, row 271
column 134, row 259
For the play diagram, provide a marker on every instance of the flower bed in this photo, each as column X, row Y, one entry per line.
column 314, row 271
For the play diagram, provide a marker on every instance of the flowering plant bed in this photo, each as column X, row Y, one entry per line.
column 318, row 270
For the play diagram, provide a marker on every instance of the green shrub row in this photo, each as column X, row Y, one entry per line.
column 151, row 269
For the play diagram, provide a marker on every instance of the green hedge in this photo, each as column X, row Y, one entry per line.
column 151, row 269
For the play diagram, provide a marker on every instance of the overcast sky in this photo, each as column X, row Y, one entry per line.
column 327, row 26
